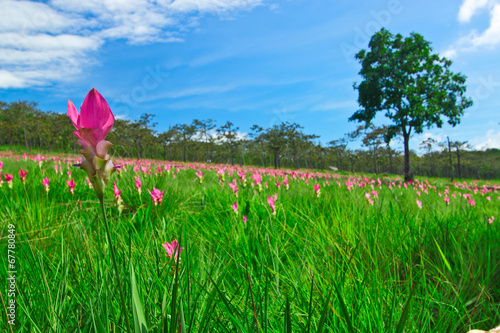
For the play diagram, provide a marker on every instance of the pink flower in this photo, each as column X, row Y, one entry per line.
column 447, row 200
column 235, row 207
column 117, row 191
column 1, row 165
column 156, row 196
column 92, row 125
column 94, row 121
column 8, row 178
column 71, row 185
column 272, row 203
column 488, row 198
column 234, row 187
column 172, row 249
column 45, row 183
column 419, row 204
column 490, row 221
column 367, row 195
column 138, row 184
column 23, row 174
column 472, row 202
column 317, row 189
column 245, row 219
column 200, row 175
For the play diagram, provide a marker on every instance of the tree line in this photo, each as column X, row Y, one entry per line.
column 285, row 145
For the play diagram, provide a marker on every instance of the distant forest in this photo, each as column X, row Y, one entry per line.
column 285, row 145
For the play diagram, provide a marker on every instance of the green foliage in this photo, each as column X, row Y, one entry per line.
column 414, row 87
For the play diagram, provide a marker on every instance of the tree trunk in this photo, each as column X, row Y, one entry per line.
column 407, row 167
column 276, row 160
column 390, row 160
column 458, row 162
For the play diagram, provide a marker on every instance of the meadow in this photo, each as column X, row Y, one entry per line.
column 263, row 250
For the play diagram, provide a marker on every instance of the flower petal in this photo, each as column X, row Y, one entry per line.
column 102, row 148
column 95, row 112
column 73, row 114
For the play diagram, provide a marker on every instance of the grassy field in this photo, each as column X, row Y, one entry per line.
column 365, row 254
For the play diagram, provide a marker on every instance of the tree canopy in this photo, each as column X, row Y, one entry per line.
column 414, row 87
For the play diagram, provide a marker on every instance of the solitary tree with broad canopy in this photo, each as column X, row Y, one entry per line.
column 414, row 87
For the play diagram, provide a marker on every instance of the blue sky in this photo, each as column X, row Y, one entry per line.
column 246, row 61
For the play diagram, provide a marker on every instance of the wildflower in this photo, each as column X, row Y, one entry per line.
column 447, row 200
column 472, row 202
column 245, row 219
column 138, row 185
column 200, row 175
column 45, row 183
column 419, row 204
column 92, row 125
column 118, row 198
column 272, row 203
column 71, row 185
column 8, row 179
column 89, row 183
column 317, row 190
column 172, row 249
column 23, row 174
column 234, row 187
column 235, row 207
column 69, row 174
column 156, row 196
column 1, row 165
column 490, row 221
column 286, row 182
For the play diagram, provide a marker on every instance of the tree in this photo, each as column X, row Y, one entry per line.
column 203, row 128
column 414, row 87
column 229, row 136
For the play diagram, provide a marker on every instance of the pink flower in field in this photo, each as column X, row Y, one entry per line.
column 173, row 249
column 8, row 178
column 490, row 220
column 472, row 202
column 200, row 175
column 467, row 195
column 235, row 207
column 245, row 219
column 138, row 185
column 89, row 183
column 286, row 182
column 272, row 203
column 45, row 183
column 118, row 198
column 69, row 174
column 317, row 189
column 419, row 204
column 278, row 184
column 71, row 185
column 375, row 193
column 370, row 201
column 92, row 125
column 23, row 174
column 1, row 165
column 156, row 196
column 418, row 193
column 116, row 190
column 488, row 198
column 447, row 200
column 367, row 195
column 234, row 187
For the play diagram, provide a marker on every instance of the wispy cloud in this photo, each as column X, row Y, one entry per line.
column 43, row 43
column 476, row 40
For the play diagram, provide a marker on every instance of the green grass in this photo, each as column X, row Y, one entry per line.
column 327, row 264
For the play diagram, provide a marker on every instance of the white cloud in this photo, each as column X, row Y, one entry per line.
column 490, row 140
column 471, row 7
column 43, row 43
column 475, row 40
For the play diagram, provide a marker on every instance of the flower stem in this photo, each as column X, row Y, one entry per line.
column 124, row 308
